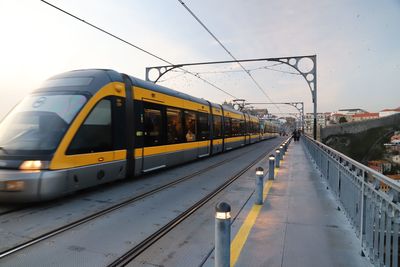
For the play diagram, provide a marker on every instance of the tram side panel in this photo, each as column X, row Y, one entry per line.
column 174, row 130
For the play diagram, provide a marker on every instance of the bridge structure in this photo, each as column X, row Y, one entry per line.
column 318, row 207
column 302, row 221
column 323, row 209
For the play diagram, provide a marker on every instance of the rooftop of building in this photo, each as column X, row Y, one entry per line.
column 367, row 114
column 391, row 109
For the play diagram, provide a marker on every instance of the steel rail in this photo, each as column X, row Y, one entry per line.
column 16, row 209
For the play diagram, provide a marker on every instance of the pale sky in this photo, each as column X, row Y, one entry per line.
column 357, row 44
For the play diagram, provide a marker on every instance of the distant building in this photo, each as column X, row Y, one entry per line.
column 322, row 119
column 388, row 112
column 376, row 168
column 395, row 139
column 365, row 116
column 392, row 148
column 385, row 187
column 351, row 111
column 353, row 114
column 348, row 114
column 396, row 159
column 335, row 117
column 381, row 166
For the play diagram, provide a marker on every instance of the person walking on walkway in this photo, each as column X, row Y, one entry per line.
column 296, row 135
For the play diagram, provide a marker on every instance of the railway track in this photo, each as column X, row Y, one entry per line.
column 151, row 239
column 146, row 243
column 11, row 210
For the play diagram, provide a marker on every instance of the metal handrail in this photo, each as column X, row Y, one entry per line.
column 388, row 181
column 374, row 213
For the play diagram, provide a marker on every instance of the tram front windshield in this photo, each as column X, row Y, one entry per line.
column 37, row 124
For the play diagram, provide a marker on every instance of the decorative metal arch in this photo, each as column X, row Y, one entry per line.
column 291, row 114
column 309, row 75
column 298, row 105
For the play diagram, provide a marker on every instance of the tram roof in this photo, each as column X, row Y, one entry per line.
column 89, row 81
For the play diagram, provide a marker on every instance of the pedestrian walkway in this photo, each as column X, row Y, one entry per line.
column 300, row 223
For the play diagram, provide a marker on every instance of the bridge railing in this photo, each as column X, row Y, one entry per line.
column 369, row 198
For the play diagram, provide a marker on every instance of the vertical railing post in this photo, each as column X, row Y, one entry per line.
column 362, row 211
column 388, row 234
column 395, row 250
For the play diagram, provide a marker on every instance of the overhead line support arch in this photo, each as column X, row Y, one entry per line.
column 298, row 105
column 310, row 76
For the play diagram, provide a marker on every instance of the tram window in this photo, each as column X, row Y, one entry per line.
column 203, row 129
column 249, row 128
column 235, row 127
column 190, row 126
column 217, row 127
column 256, row 128
column 152, row 127
column 242, row 127
column 174, row 126
column 227, row 127
column 95, row 134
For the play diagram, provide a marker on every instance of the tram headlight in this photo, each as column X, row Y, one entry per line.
column 33, row 165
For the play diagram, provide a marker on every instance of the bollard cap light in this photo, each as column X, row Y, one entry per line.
column 223, row 211
column 277, row 151
column 271, row 157
column 281, row 147
column 223, row 215
column 259, row 171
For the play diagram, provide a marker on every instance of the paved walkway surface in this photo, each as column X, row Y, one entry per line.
column 300, row 224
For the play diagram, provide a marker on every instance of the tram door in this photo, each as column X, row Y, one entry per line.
column 247, row 128
column 98, row 146
column 153, row 157
column 203, row 133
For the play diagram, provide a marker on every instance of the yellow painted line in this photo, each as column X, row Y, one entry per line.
column 244, row 231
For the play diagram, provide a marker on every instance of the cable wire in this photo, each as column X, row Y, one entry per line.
column 135, row 46
column 250, row 70
column 229, row 53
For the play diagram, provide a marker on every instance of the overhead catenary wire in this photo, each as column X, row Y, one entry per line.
column 236, row 71
column 136, row 47
column 226, row 50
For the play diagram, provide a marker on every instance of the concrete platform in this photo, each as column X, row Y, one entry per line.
column 299, row 223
